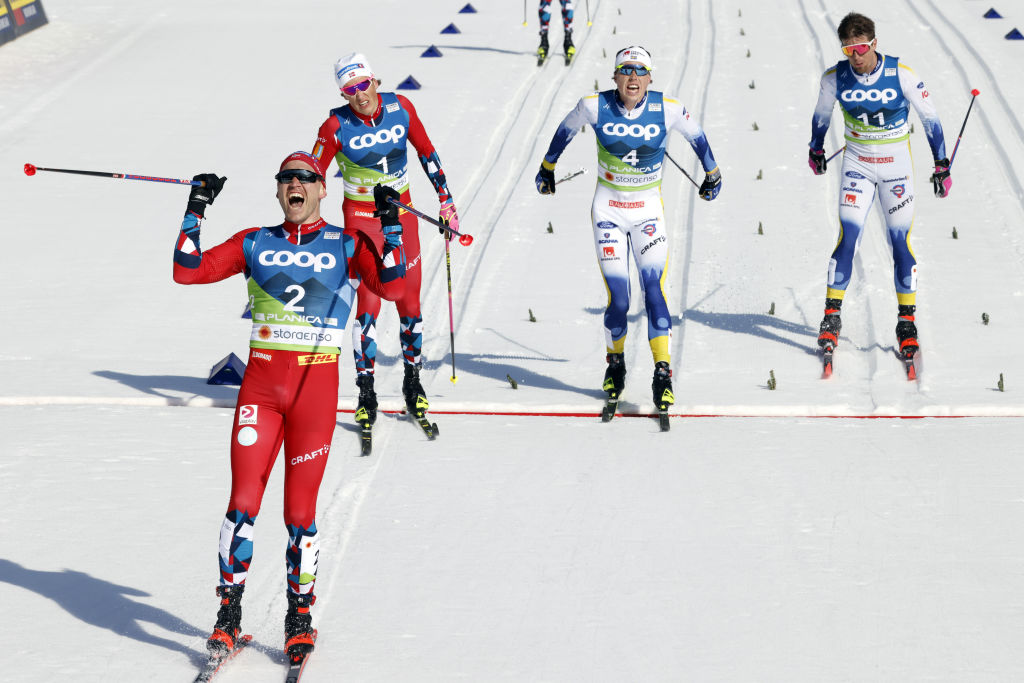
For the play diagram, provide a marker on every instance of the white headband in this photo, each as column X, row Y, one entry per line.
column 351, row 66
column 634, row 53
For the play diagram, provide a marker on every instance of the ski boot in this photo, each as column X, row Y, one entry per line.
column 415, row 398
column 828, row 332
column 299, row 634
column 906, row 331
column 366, row 409
column 615, row 375
column 910, row 350
column 229, row 620
column 662, row 388
column 570, row 49
column 614, row 381
column 542, row 51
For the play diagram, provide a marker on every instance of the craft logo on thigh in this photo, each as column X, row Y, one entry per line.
column 312, row 455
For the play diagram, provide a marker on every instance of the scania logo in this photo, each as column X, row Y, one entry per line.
column 302, row 259
column 621, row 130
column 393, row 134
column 883, row 96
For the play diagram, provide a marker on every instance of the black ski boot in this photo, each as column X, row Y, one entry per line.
column 366, row 410
column 415, row 398
column 229, row 620
column 570, row 49
column 906, row 331
column 542, row 51
column 615, row 375
column 662, row 386
column 828, row 332
column 299, row 635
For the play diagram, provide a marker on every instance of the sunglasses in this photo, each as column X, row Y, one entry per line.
column 627, row 69
column 858, row 48
column 304, row 176
column 351, row 90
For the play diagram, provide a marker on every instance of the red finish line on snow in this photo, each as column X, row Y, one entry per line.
column 526, row 413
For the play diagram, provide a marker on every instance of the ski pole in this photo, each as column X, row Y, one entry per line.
column 451, row 315
column 589, row 23
column 683, row 170
column 464, row 239
column 524, row 12
column 835, row 154
column 571, row 176
column 974, row 93
column 31, row 170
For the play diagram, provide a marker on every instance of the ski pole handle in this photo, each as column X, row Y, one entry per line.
column 974, row 94
column 464, row 239
column 30, row 170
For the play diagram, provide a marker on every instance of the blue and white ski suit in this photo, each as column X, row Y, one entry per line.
column 877, row 161
column 628, row 213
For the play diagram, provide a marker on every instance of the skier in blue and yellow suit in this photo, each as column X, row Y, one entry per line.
column 874, row 91
column 632, row 124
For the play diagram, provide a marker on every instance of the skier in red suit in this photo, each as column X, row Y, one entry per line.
column 368, row 139
column 302, row 277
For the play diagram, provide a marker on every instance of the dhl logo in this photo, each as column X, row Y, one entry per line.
column 318, row 358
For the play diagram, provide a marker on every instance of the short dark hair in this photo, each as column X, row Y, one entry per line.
column 854, row 24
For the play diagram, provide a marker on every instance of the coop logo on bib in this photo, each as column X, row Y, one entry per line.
column 302, row 259
column 622, row 130
column 381, row 137
column 883, row 96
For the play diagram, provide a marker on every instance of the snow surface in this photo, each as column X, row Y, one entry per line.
column 769, row 543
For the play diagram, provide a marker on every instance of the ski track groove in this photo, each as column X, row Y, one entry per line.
column 991, row 88
column 346, row 501
column 682, row 290
column 519, row 127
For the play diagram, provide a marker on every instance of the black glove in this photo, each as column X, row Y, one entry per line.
column 393, row 254
column 545, row 180
column 711, row 185
column 941, row 181
column 202, row 196
column 385, row 210
column 816, row 160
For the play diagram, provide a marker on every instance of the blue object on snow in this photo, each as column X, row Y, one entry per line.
column 228, row 371
column 468, row 9
column 431, row 51
column 1015, row 35
column 409, row 83
column 993, row 14
column 451, row 28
